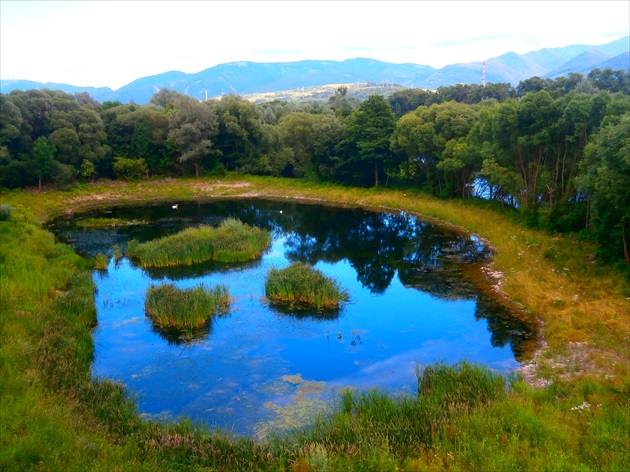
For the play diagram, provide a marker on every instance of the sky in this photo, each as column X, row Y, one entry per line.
column 111, row 43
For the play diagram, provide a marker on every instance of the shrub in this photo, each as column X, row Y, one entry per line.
column 5, row 212
column 172, row 307
column 130, row 169
column 302, row 284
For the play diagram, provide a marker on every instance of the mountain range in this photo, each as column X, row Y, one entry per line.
column 253, row 77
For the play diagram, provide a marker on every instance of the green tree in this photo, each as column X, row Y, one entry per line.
column 425, row 136
column 610, row 80
column 314, row 141
column 87, row 170
column 341, row 103
column 369, row 131
column 407, row 100
column 605, row 178
column 43, row 158
column 240, row 132
column 130, row 169
column 191, row 128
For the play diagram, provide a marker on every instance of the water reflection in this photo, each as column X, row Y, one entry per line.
column 185, row 337
column 299, row 312
column 410, row 302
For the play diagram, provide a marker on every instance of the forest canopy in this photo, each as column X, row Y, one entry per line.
column 555, row 152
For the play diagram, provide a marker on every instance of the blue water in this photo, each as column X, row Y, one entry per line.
column 256, row 367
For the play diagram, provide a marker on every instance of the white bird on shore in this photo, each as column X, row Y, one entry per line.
column 175, row 206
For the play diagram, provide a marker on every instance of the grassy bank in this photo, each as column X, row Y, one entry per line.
column 55, row 417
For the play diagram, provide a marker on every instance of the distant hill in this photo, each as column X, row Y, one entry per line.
column 248, row 78
column 7, row 85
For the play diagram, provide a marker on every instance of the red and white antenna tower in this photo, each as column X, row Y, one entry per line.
column 483, row 76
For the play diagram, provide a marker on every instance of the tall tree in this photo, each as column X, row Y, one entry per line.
column 369, row 132
column 191, row 128
column 43, row 158
column 240, row 135
column 314, row 141
column 605, row 178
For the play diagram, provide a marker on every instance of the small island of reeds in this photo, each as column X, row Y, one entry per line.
column 172, row 307
column 301, row 284
column 231, row 241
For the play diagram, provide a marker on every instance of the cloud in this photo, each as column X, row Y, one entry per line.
column 116, row 44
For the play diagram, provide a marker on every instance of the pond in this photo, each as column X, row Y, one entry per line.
column 263, row 366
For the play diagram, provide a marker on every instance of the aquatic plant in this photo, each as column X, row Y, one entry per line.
column 172, row 307
column 117, row 252
column 302, row 284
column 231, row 241
column 101, row 261
column 96, row 223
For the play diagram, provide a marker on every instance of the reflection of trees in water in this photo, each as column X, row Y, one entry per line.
column 377, row 245
column 447, row 283
column 303, row 312
column 505, row 328
column 444, row 282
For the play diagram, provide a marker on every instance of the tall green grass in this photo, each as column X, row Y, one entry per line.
column 54, row 416
column 172, row 307
column 301, row 284
column 391, row 430
column 101, row 261
column 231, row 241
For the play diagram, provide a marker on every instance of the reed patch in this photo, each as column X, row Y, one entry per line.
column 172, row 307
column 303, row 285
column 231, row 241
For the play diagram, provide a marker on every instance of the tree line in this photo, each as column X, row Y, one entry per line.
column 557, row 151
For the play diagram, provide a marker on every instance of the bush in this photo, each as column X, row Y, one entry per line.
column 62, row 174
column 130, row 169
column 5, row 212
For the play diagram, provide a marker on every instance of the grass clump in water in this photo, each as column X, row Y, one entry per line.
column 299, row 283
column 231, row 241
column 172, row 307
column 101, row 261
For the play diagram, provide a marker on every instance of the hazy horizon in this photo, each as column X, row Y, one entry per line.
column 110, row 44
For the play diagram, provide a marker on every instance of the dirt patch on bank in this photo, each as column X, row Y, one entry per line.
column 572, row 361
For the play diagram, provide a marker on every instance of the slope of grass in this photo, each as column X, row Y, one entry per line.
column 55, row 417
